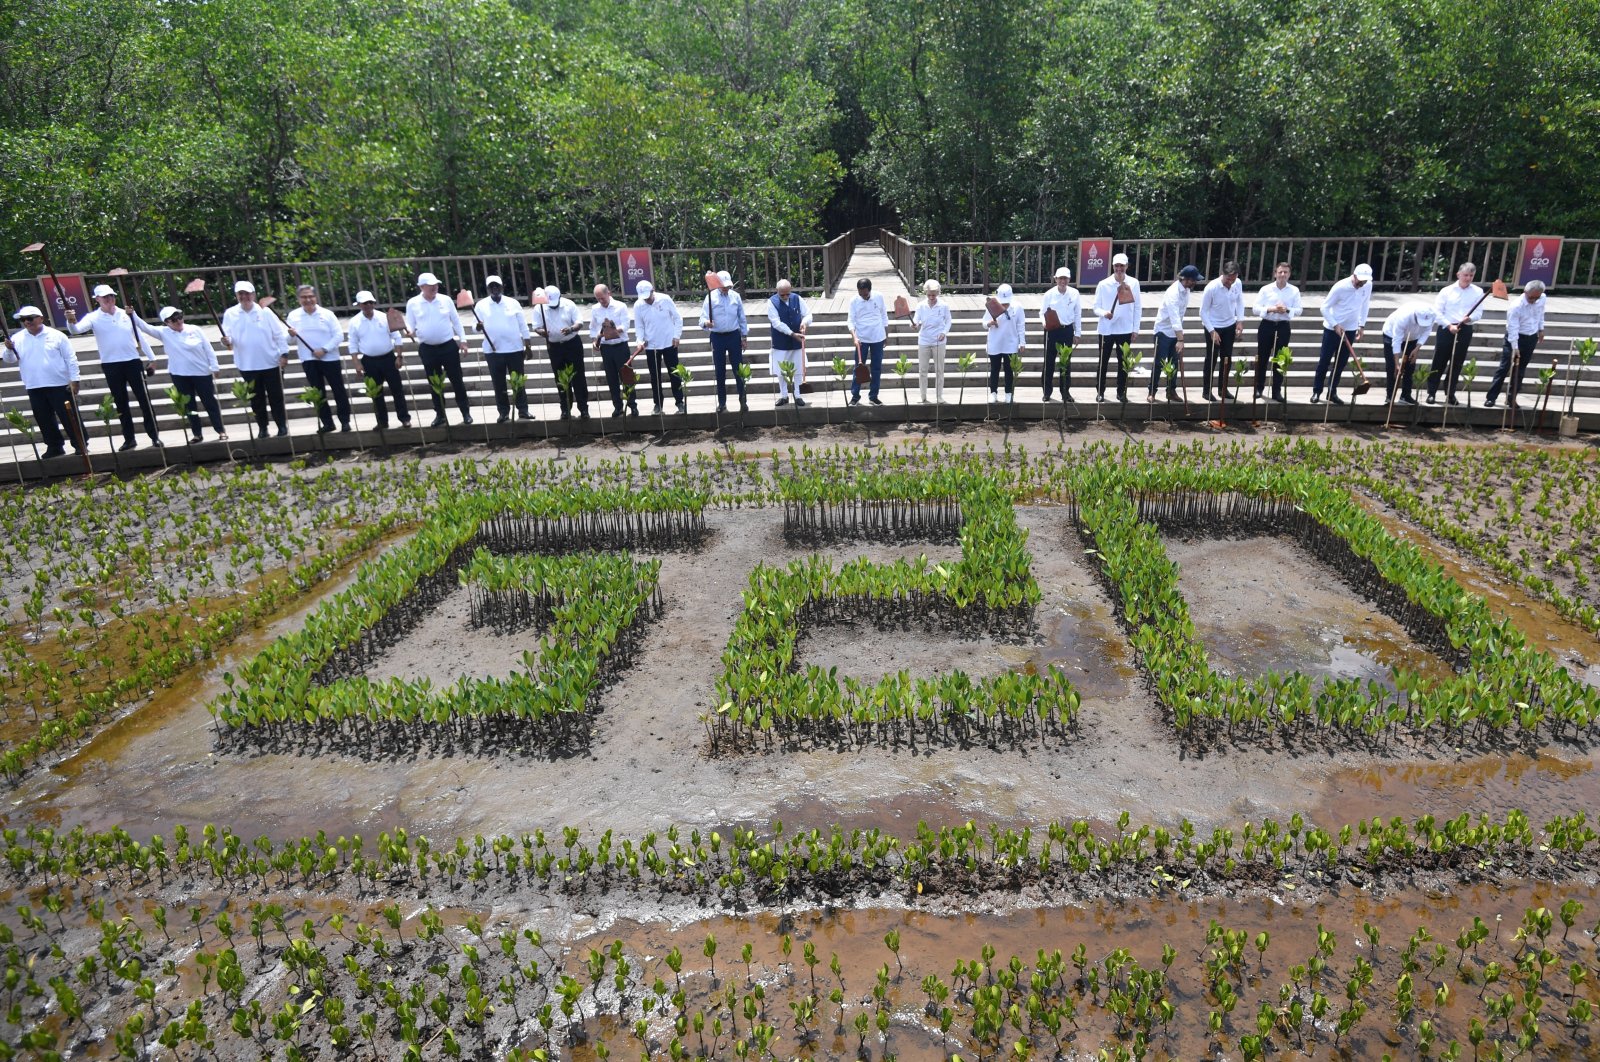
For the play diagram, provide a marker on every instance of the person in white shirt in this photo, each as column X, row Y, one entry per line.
column 49, row 371
column 317, row 337
column 722, row 314
column 1458, row 307
column 1524, row 330
column 1059, row 341
column 1221, row 311
column 559, row 325
column 932, row 319
column 1404, row 331
column 869, row 327
column 441, row 344
column 1344, row 319
column 789, row 318
column 1117, row 306
column 659, row 326
column 1277, row 304
column 608, row 331
column 505, row 346
column 1169, row 328
column 377, row 346
column 192, row 364
column 260, row 345
column 1008, row 335
column 121, row 352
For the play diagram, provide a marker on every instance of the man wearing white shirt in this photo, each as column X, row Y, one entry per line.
column 1059, row 341
column 121, row 351
column 659, row 326
column 441, row 344
column 932, row 319
column 1008, row 335
column 559, row 325
column 1221, row 310
column 1344, row 318
column 260, row 345
column 1458, row 307
column 49, row 372
column 1277, row 304
column 377, row 346
column 869, row 327
column 1524, row 330
column 317, row 335
column 1169, row 328
column 1117, row 306
column 722, row 315
column 789, row 318
column 1404, row 331
column 608, row 331
column 505, row 346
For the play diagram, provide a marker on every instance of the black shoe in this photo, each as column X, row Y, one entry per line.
column 783, row 401
column 523, row 414
column 744, row 406
column 283, row 433
column 1230, row 396
column 1150, row 397
column 1278, row 396
column 1452, row 401
column 1210, row 397
column 1100, row 396
column 1514, row 404
column 1316, row 397
column 155, row 440
column 1335, row 399
column 583, row 414
column 1407, row 400
column 53, row 451
column 1066, row 396
column 633, row 410
column 196, row 436
column 383, row 425
column 876, row 401
column 855, row 400
column 129, row 444
column 566, row 414
column 1432, row 399
column 657, row 410
column 1489, row 403
column 799, row 402
column 1122, row 396
column 616, row 411
column 683, row 407
column 466, row 419
column 322, row 429
column 722, row 407
column 438, row 421
column 346, row 426
column 1172, row 394
column 504, row 418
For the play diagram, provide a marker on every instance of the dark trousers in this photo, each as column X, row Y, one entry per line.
column 53, row 409
column 125, row 376
column 201, row 391
column 445, row 359
column 501, row 366
column 1335, row 352
column 328, row 377
column 1523, row 355
column 1111, row 352
column 1166, row 353
column 383, row 368
column 1449, row 351
column 1271, row 337
column 1398, row 366
column 267, row 388
column 726, row 349
column 1219, row 355
column 999, row 364
column 613, row 356
column 1058, row 342
column 569, row 353
column 872, row 354
column 665, row 359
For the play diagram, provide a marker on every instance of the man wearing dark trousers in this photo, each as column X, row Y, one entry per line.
column 260, row 345
column 558, row 324
column 608, row 331
column 1059, row 341
column 317, row 334
column 1344, row 320
column 1117, row 310
column 1524, row 330
column 659, row 326
column 372, row 341
column 126, row 359
column 1404, row 331
column 1221, row 310
column 441, row 344
column 50, row 376
column 505, row 347
column 1277, row 304
column 1458, row 307
column 722, row 315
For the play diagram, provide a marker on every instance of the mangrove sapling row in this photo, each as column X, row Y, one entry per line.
column 881, row 506
column 590, row 519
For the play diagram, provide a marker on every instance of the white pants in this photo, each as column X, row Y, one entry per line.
column 936, row 353
column 793, row 357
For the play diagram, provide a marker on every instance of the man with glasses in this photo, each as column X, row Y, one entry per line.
column 260, row 345
column 317, row 333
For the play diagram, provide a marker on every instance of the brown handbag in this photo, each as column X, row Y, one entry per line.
column 1124, row 294
column 1052, row 320
column 992, row 304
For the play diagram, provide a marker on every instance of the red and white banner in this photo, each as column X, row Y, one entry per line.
column 1094, row 260
column 1538, row 260
column 635, row 263
column 74, row 296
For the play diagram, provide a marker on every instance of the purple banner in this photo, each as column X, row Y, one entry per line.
column 1094, row 261
column 1538, row 260
column 635, row 264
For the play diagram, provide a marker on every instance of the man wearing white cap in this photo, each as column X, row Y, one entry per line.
column 505, row 346
column 1458, row 307
column 608, row 331
column 1064, row 299
column 1221, row 310
column 1524, row 330
column 558, row 324
column 1008, row 335
column 1403, row 332
column 1277, row 304
column 1117, row 306
column 1344, row 318
column 50, row 376
column 932, row 319
column 192, row 364
column 260, row 345
column 441, row 343
column 722, row 314
column 377, row 346
column 317, row 336
column 659, row 326
column 121, row 350
column 789, row 317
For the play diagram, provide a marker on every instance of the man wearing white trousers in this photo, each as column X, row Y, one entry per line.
column 789, row 317
column 932, row 319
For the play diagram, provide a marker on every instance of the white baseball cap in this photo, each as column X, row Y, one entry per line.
column 28, row 311
column 167, row 311
column 365, row 296
column 553, row 293
column 725, row 276
column 1064, row 272
column 644, row 289
column 243, row 285
column 493, row 279
column 427, row 278
column 1119, row 259
column 1364, row 271
column 1002, row 294
column 103, row 289
column 931, row 285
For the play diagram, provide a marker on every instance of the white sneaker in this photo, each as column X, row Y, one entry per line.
column 994, row 396
column 939, row 398
column 1009, row 396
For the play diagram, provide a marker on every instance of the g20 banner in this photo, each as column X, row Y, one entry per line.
column 73, row 295
column 1094, row 260
column 1538, row 260
column 635, row 264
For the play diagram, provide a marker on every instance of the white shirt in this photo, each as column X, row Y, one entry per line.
column 616, row 313
column 933, row 323
column 1408, row 324
column 1525, row 318
column 1068, row 306
column 189, row 352
column 1347, row 306
column 113, row 335
column 1455, row 301
column 555, row 319
column 869, row 319
column 777, row 322
column 504, row 328
column 1271, row 295
column 434, row 320
column 1010, row 331
column 1174, row 304
column 317, row 330
column 46, row 359
column 658, row 324
column 258, row 337
column 1221, row 305
column 1125, row 316
column 371, row 337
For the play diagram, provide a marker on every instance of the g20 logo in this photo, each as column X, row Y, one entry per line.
column 1538, row 257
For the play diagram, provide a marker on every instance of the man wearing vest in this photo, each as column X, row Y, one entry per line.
column 789, row 317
